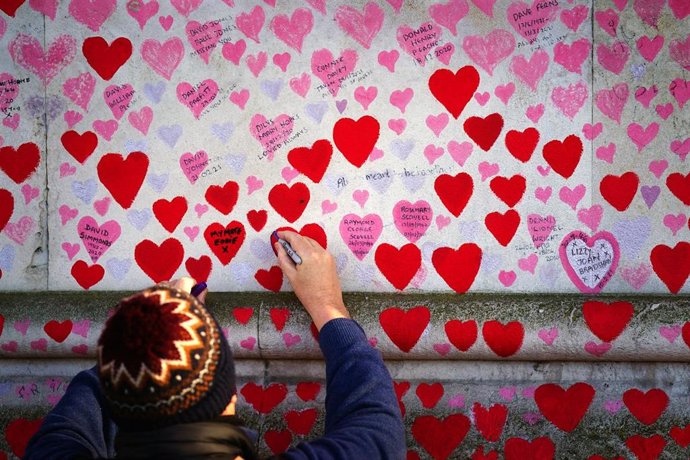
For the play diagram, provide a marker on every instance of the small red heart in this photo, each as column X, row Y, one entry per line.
column 257, row 219
column 509, row 190
column 80, row 146
column 648, row 406
column 480, row 455
column 404, row 328
column 454, row 191
column 159, row 262
column 607, row 321
column 264, row 400
column 356, row 139
column 398, row 266
column 223, row 198
column 504, row 340
column 289, row 201
column 170, row 213
column 301, row 422
column 503, row 226
column 106, row 58
column 672, row 265
column 564, row 408
column 87, row 275
column 10, row 8
column 308, row 391
column 490, row 422
column 521, row 144
column 462, row 334
column 271, row 279
column 278, row 440
column 563, row 157
column 646, row 448
column 20, row 163
column 484, row 131
column 454, row 90
column 243, row 314
column 619, row 191
column 199, row 269
column 123, row 177
column 226, row 241
column 18, row 433
column 440, row 437
column 6, row 207
column 679, row 185
column 279, row 316
column 312, row 162
column 681, row 435
column 458, row 267
column 58, row 330
column 538, row 449
column 429, row 394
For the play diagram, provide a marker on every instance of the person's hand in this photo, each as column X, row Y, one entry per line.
column 185, row 284
column 314, row 281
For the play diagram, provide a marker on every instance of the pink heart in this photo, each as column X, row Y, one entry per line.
column 606, row 152
column 361, row 197
column 397, row 125
column 118, row 98
column 591, row 132
column 649, row 48
column 166, row 22
column 289, row 173
column 363, row 27
column 457, row 401
column 487, row 52
column 620, row 4
column 412, row 219
column 548, row 336
column 437, row 123
column 82, row 327
column 193, row 165
column 572, row 197
column 608, row 21
column 542, row 194
column 142, row 12
column 29, row 193
column 92, row 13
column 449, row 14
column 248, row 343
column 28, row 52
column 70, row 249
column 200, row 209
column 482, row 98
column 507, row 278
column 612, row 101
column 591, row 216
column 612, row 407
column 575, row 17
column 445, row 52
column 67, row 170
column 250, row 24
column 300, row 85
column 282, row 60
column 141, row 120
column 664, row 110
column 505, row 92
column 291, row 340
column 11, row 122
column 184, row 7
column 271, row 133
column 196, row 98
column 680, row 89
column 365, row 96
column 327, row 207
column 530, row 71
column 40, row 344
column 415, row 42
column 528, row 263
column 649, row 10
column 571, row 57
column 571, row 99
column 675, row 222
column 680, row 8
column 442, row 222
column 543, row 170
column 540, row 227
column 10, row 347
column 460, row 152
column 293, row 30
column 82, row 349
column 388, row 59
column 72, row 118
column 541, row 13
column 80, row 89
column 657, row 167
column 46, row 7
column 589, row 261
column 204, row 37
column 535, row 112
column 442, row 348
column 640, row 136
column 253, row 184
column 636, row 276
column 681, row 148
column 319, row 5
column 20, row 230
column 645, row 95
column 233, row 52
column 597, row 349
column 240, row 98
column 256, row 63
column 330, row 70
column 97, row 239
column 105, row 128
column 487, row 169
column 22, row 326
column 614, row 57
column 507, row 393
column 164, row 57
column 670, row 333
column 191, row 232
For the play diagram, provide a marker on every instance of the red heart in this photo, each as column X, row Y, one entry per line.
column 356, row 139
column 484, row 131
column 271, row 279
column 18, row 433
column 537, row 449
column 504, row 340
column 440, row 437
column 312, row 162
column 398, row 266
column 308, row 391
column 58, row 331
column 199, row 269
column 646, row 407
column 223, row 198
column 509, row 190
column 21, row 163
column 104, row 58
column 290, row 202
column 646, row 448
column 454, row 191
column 672, row 265
column 462, row 334
column 159, row 262
column 564, row 408
column 429, row 394
column 6, row 207
column 458, row 267
column 490, row 422
column 278, row 441
column 521, row 144
column 80, row 146
column 257, row 219
column 170, row 213
column 225, row 241
column 87, row 275
column 10, row 7
column 243, row 314
column 264, row 400
column 503, row 226
column 681, row 435
column 563, row 157
column 480, row 455
column 619, row 191
column 607, row 321
column 454, row 90
column 279, row 316
column 313, row 231
column 679, row 185
column 301, row 422
column 123, row 176
column 686, row 333
column 404, row 328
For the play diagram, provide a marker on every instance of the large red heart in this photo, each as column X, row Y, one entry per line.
column 607, row 321
column 538, row 449
column 440, row 437
column 563, row 157
column 18, row 433
column 257, row 219
column 6, row 207
column 458, row 267
column 313, row 231
column 225, row 241
column 462, row 334
column 454, row 90
column 398, row 266
column 312, row 162
column 646, row 448
column 681, row 435
column 301, row 422
column 271, row 279
column 404, row 328
column 58, row 330
column 278, row 440
column 509, row 190
column 170, row 213
column 80, row 146
column 123, row 177
column 104, row 58
column 521, row 144
column 223, row 198
column 490, row 422
column 289, row 201
column 672, row 265
column 429, row 394
column 646, row 407
column 619, row 191
column 19, row 164
column 454, row 191
column 504, row 340
column 159, row 262
column 564, row 408
column 484, row 131
column 679, row 185
column 200, row 268
column 87, row 275
column 356, row 139
column 10, row 8
column 503, row 226
column 264, row 400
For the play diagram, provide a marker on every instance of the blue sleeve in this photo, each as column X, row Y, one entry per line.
column 362, row 414
column 78, row 426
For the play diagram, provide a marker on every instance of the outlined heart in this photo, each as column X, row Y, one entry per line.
column 589, row 262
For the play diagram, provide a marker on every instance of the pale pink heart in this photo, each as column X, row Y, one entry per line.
column 572, row 197
column 507, row 393
column 442, row 222
column 589, row 261
column 363, row 27
column 535, row 112
column 97, row 239
column 548, row 336
column 193, row 165
column 670, row 333
column 529, row 263
column 72, row 118
column 415, row 41
column 649, row 48
column 649, row 10
column 282, row 60
column 291, row 340
column 70, row 249
column 271, row 132
column 294, row 29
column 606, row 152
column 166, row 22
column 681, row 148
column 540, row 14
column 92, row 13
column 10, row 91
column 482, row 98
column 204, row 37
column 397, row 125
column 22, row 325
column 591, row 132
column 542, row 194
column 388, row 59
column 233, row 52
column 40, row 344
column 540, row 227
column 105, row 128
column 53, row 399
column 142, row 11
column 507, row 278
column 591, row 217
column 101, row 206
column 257, row 62
column 445, row 52
column 164, row 57
column 489, row 51
column 318, row 5
column 412, row 219
column 81, row 328
column 487, row 170
column 636, row 277
column 620, row 4
column 327, row 207
column 597, row 349
column 449, row 14
column 442, row 348
column 361, row 197
column 645, row 95
column 289, row 173
column 505, row 92
column 571, row 99
column 571, row 57
column 612, row 101
column 29, row 193
column 67, row 213
column 575, row 17
column 253, row 184
column 196, row 98
column 675, row 222
column 418, row 280
column 612, row 407
column 400, row 98
column 608, row 21
column 248, row 344
column 664, row 110
column 19, row 231
column 530, row 71
column 680, row 89
column 437, row 123
column 200, row 209
column 11, row 122
column 300, row 85
column 184, row 7
column 67, row 170
column 657, row 167
column 141, row 120
column 28, row 52
column 543, row 170
column 192, row 232
column 613, row 58
column 240, row 98
column 118, row 98
column 460, row 152
column 365, row 96
column 250, row 24
column 360, row 233
column 640, row 136
column 80, row 89
column 680, row 8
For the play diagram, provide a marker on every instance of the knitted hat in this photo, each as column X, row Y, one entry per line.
column 163, row 360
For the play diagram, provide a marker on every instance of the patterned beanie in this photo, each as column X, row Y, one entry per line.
column 163, row 360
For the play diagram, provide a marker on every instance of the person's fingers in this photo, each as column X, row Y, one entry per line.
column 202, row 296
column 284, row 261
column 183, row 284
column 298, row 242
